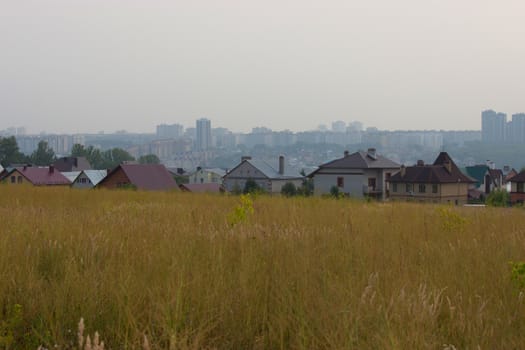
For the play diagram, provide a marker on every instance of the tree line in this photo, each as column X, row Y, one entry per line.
column 44, row 155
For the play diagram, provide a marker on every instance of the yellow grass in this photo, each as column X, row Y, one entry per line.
column 296, row 274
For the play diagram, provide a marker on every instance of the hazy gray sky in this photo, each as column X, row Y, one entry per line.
column 84, row 66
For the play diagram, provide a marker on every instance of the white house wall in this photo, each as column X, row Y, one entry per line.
column 82, row 185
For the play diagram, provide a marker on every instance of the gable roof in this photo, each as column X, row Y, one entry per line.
column 95, row 176
column 71, row 175
column 435, row 173
column 359, row 160
column 151, row 177
column 41, row 176
column 203, row 188
column 270, row 172
column 518, row 177
column 477, row 172
column 69, row 164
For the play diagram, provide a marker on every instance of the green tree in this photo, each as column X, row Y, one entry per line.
column 9, row 152
column 78, row 150
column 149, row 159
column 250, row 186
column 335, row 192
column 289, row 189
column 43, row 155
column 115, row 156
column 498, row 198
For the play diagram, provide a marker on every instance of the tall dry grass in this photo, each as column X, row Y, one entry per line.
column 297, row 274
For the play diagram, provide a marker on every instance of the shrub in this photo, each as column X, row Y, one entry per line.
column 498, row 198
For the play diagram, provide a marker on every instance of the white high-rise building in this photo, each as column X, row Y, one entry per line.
column 203, row 139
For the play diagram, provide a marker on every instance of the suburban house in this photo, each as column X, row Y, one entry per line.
column 206, row 176
column 150, row 177
column 69, row 164
column 357, row 175
column 441, row 182
column 36, row 176
column 202, row 188
column 517, row 188
column 487, row 179
column 267, row 177
column 88, row 178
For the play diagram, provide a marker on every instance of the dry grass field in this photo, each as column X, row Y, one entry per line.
column 204, row 272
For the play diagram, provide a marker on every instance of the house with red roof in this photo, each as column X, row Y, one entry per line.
column 440, row 182
column 36, row 176
column 148, row 177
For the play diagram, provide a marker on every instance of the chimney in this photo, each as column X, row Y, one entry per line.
column 281, row 165
column 491, row 164
column 347, row 153
column 243, row 158
column 372, row 153
column 420, row 163
column 51, row 169
column 25, row 167
column 403, row 170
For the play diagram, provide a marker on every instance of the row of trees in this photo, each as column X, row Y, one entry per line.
column 44, row 155
column 10, row 153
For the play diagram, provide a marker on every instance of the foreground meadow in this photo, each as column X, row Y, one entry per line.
column 191, row 272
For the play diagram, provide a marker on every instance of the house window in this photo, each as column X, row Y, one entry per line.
column 394, row 187
column 409, row 188
column 13, row 179
column 422, row 188
column 340, row 182
column 372, row 183
column 520, row 187
column 434, row 188
column 19, row 179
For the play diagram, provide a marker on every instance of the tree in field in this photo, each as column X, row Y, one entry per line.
column 335, row 192
column 250, row 186
column 9, row 152
column 43, row 155
column 289, row 189
column 149, row 159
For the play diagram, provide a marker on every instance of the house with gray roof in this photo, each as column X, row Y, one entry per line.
column 266, row 176
column 358, row 175
column 88, row 178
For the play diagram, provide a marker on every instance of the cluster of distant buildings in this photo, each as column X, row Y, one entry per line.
column 496, row 129
column 362, row 174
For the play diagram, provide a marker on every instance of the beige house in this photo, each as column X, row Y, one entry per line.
column 440, row 182
column 207, row 176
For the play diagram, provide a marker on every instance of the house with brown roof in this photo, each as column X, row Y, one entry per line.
column 357, row 175
column 71, row 164
column 36, row 176
column 149, row 177
column 440, row 182
column 517, row 188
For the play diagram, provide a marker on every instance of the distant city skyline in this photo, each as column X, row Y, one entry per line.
column 82, row 67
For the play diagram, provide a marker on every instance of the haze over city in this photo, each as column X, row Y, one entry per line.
column 70, row 66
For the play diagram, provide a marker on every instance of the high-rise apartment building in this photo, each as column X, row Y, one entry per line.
column 172, row 131
column 516, row 129
column 493, row 126
column 203, row 137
